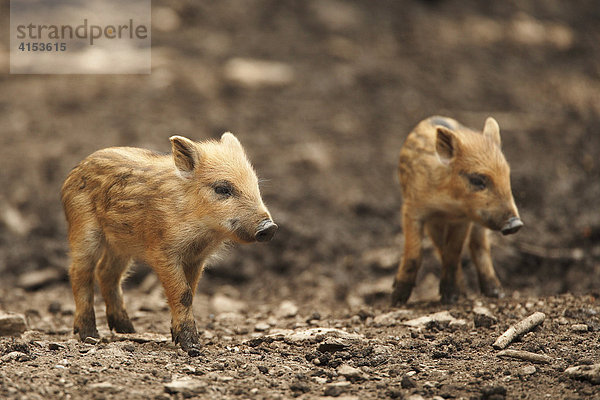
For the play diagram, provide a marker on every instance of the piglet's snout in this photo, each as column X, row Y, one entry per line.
column 512, row 226
column 266, row 230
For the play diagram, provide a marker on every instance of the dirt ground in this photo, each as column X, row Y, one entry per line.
column 352, row 79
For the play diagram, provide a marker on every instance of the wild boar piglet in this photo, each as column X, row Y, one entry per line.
column 171, row 212
column 455, row 187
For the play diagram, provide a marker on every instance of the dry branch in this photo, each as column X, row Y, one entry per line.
column 518, row 329
column 526, row 356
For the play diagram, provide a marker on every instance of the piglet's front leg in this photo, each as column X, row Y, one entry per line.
column 180, row 297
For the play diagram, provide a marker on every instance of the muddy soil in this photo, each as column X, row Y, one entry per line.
column 353, row 78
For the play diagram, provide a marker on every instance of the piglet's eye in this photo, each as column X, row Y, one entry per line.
column 224, row 189
column 478, row 182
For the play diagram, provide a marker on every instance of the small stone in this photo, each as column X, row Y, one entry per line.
column 585, row 372
column 415, row 397
column 580, row 328
column 337, row 388
column 262, row 327
column 350, row 373
column 40, row 278
column 187, row 387
column 55, row 346
column 55, row 307
column 392, row 318
column 91, row 340
column 223, row 304
column 263, row 369
column 493, row 392
column 442, row 318
column 15, row 356
column 105, row 387
column 331, row 345
column 527, row 370
column 287, row 309
column 12, row 324
column 129, row 347
column 483, row 317
column 407, row 382
column 254, row 74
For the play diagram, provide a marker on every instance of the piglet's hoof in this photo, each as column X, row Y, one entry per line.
column 401, row 293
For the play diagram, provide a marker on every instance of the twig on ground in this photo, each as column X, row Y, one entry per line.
column 526, row 356
column 518, row 329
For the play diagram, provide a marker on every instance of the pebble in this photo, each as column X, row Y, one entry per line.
column 187, row 387
column 331, row 345
column 287, row 309
column 407, row 382
column 336, row 388
column 105, row 387
column 15, row 356
column 12, row 324
column 392, row 318
column 443, row 318
column 40, row 278
column 350, row 373
column 221, row 304
column 91, row 340
column 262, row 327
column 527, row 370
column 585, row 372
column 253, row 74
column 581, row 328
column 483, row 317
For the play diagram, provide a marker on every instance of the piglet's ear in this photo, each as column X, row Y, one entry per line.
column 185, row 153
column 491, row 130
column 230, row 140
column 446, row 144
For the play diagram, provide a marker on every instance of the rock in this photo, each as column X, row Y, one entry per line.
column 55, row 307
column 415, row 397
column 287, row 309
column 331, row 345
column 144, row 337
column 585, row 372
column 457, row 324
column 253, row 74
column 527, row 370
column 337, row 388
column 91, row 340
column 40, row 278
column 55, row 346
column 350, row 373
column 14, row 220
column 483, row 317
column 105, row 387
column 392, row 318
column 493, row 392
column 15, row 356
column 220, row 303
column 407, row 382
column 442, row 318
column 186, row 386
column 316, row 334
column 261, row 327
column 12, row 324
column 580, row 328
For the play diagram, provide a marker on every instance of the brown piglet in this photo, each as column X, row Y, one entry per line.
column 455, row 187
column 171, row 212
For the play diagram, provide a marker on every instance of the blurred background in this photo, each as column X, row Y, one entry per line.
column 322, row 94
